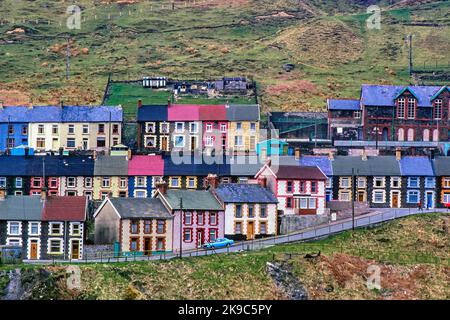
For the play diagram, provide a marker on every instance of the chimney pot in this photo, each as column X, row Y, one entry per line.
column 297, row 153
column 262, row 181
column 139, row 103
column 162, row 187
column 2, row 194
column 364, row 155
column 43, row 194
column 212, row 181
column 130, row 155
column 398, row 154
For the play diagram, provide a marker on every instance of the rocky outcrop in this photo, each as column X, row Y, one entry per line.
column 285, row 281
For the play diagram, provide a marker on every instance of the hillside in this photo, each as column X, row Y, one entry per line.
column 328, row 42
column 399, row 248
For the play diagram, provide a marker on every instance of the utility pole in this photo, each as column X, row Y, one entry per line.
column 410, row 54
column 181, row 228
column 67, row 58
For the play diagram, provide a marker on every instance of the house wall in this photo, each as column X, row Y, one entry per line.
column 126, row 235
column 80, row 186
column 148, row 188
column 246, row 133
column 65, row 237
column 114, row 188
column 19, row 138
column 107, row 225
column 282, row 195
column 11, row 187
column 47, row 135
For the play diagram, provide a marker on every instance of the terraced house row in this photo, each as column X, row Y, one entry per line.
column 49, row 128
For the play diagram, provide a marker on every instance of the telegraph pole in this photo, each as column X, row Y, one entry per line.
column 410, row 54
column 67, row 58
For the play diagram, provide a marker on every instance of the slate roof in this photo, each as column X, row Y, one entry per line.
column 129, row 208
column 64, row 114
column 11, row 166
column 21, row 208
column 183, row 112
column 323, row 162
column 245, row 193
column 383, row 95
column 250, row 165
column 151, row 165
column 64, row 209
column 416, row 166
column 373, row 166
column 195, row 166
column 298, row 172
column 192, row 200
column 340, row 104
column 441, row 166
column 152, row 113
column 243, row 112
column 111, row 166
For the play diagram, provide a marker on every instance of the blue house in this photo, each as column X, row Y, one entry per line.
column 324, row 164
column 272, row 147
column 418, row 182
column 13, row 128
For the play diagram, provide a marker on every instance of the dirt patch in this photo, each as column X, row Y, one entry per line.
column 61, row 49
column 14, row 97
column 278, row 15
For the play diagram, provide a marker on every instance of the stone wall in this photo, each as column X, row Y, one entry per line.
column 292, row 223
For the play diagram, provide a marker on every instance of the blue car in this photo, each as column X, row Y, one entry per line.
column 219, row 243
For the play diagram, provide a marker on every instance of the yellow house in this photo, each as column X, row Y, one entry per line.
column 110, row 177
column 243, row 130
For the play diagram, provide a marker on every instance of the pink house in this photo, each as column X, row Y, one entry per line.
column 215, row 126
column 198, row 216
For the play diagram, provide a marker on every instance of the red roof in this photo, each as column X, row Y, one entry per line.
column 298, row 172
column 152, row 165
column 213, row 113
column 64, row 209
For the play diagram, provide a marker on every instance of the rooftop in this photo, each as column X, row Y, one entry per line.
column 244, row 193
column 129, row 208
column 192, row 200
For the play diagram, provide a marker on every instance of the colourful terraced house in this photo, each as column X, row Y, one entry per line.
column 110, row 177
column 441, row 166
column 143, row 174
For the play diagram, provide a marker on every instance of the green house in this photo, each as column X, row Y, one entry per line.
column 272, row 147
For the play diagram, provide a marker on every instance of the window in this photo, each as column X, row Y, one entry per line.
column 313, row 187
column 2, row 182
column 37, row 181
column 14, row 228
column 238, row 228
column 71, row 182
column 446, row 198
column 179, row 127
column 40, row 143
column 238, row 210
column 289, row 202
column 213, row 218
column 411, row 108
column 329, row 182
column 123, row 182
column 174, row 182
column 19, row 182
column 345, row 182
column 302, row 187
column 187, row 235
column 134, row 244
column 413, row 182
column 34, row 228
column 160, row 226
column 10, row 129
column 401, row 103
column 85, row 129
column 209, row 141
column 88, row 182
column 344, row 196
column 55, row 129
column 263, row 228
column 71, row 193
column 104, row 195
column 188, row 218
column 430, row 182
column 193, row 127
column 134, row 227
column 178, row 141
column 251, row 211
column 140, row 193
column 70, row 142
column 150, row 127
column 105, row 182
column 150, row 141
column 10, row 143
column 25, row 130
column 413, row 197
column 164, row 127
column 101, row 142
column 141, row 182
column 446, row 182
column 238, row 141
column 55, row 246
column 101, row 128
column 378, row 196
column 239, row 126
column 191, row 182
column 41, row 129
column 253, row 126
column 378, row 182
column 305, row 203
column 18, row 193
column 75, row 229
column 147, row 226
column 289, row 186
column 437, row 114
column 361, row 182
column 200, row 218
column 71, row 129
column 223, row 127
column 115, row 129
column 263, row 211
column 212, row 235
column 357, row 114
column 55, row 228
column 395, row 182
column 160, row 244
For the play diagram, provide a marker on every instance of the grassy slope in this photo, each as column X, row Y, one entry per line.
column 327, row 41
column 342, row 267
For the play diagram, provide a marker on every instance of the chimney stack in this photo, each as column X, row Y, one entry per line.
column 364, row 155
column 169, row 103
column 262, row 181
column 43, row 194
column 161, row 186
column 94, row 155
column 1, row 104
column 139, row 103
column 398, row 154
column 2, row 194
column 330, row 155
column 212, row 181
column 297, row 153
column 130, row 155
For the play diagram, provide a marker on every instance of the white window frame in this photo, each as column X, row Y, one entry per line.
column 138, row 193
column 85, row 129
column 108, row 180
column 88, row 184
column 383, row 196
column 80, row 229
column 409, row 182
column 379, row 179
column 176, row 127
column 193, row 125
column 140, row 185
column 50, row 228
column 408, row 196
column 149, row 125
column 175, row 141
column 61, row 246
column 30, row 228
column 147, row 138
column 19, row 230
column 71, row 182
column 19, row 185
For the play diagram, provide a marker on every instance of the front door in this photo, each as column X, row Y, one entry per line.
column 200, row 237
column 33, row 250
column 429, row 200
column 395, row 200
column 147, row 246
column 250, row 230
column 193, row 143
column 361, row 196
column 164, row 143
column 75, row 249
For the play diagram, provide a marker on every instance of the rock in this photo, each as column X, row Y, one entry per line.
column 288, row 67
column 16, row 30
column 286, row 281
column 85, row 51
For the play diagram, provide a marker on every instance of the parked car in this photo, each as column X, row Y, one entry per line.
column 219, row 243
